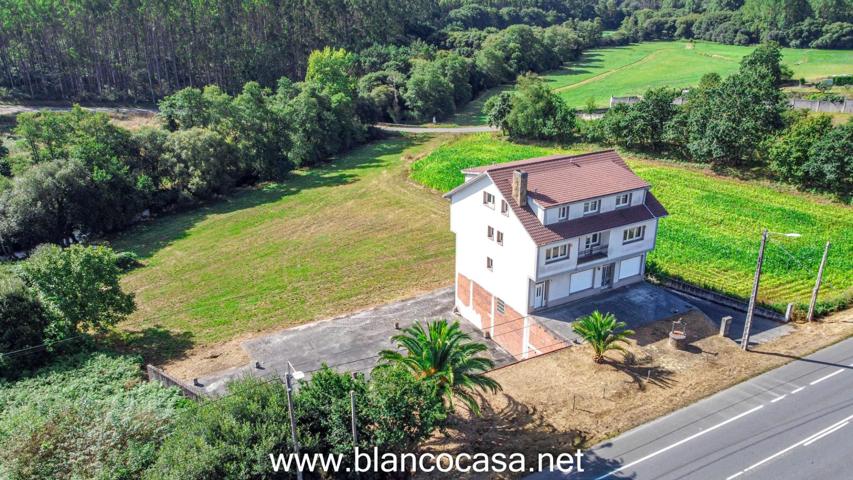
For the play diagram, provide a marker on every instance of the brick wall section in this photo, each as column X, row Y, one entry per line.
column 508, row 326
column 543, row 340
column 463, row 289
column 509, row 331
column 483, row 306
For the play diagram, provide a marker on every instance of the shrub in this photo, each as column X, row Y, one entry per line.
column 87, row 416
column 789, row 152
column 538, row 113
column 22, row 325
column 79, row 287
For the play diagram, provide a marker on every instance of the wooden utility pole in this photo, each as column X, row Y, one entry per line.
column 817, row 283
column 744, row 341
column 352, row 409
column 289, row 391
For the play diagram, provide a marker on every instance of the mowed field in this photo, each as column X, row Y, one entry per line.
column 324, row 242
column 712, row 234
column 633, row 69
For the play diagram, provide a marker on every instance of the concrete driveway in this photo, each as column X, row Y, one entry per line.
column 643, row 303
column 349, row 343
column 637, row 304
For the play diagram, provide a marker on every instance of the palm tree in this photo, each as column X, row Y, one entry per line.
column 443, row 353
column 603, row 332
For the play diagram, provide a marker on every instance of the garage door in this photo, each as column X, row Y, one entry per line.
column 581, row 281
column 630, row 267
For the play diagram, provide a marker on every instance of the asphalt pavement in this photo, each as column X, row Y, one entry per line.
column 794, row 422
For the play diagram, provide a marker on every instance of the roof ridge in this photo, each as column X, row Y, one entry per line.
column 536, row 160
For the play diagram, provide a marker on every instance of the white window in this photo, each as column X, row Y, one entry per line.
column 500, row 238
column 593, row 240
column 504, row 208
column 557, row 253
column 623, row 200
column 490, row 264
column 488, row 200
column 500, row 306
column 490, row 232
column 591, row 206
column 634, row 234
column 563, row 213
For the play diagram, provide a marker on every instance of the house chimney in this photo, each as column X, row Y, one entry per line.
column 519, row 187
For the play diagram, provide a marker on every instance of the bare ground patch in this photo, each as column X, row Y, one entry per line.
column 562, row 401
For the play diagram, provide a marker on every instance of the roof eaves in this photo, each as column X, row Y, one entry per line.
column 465, row 185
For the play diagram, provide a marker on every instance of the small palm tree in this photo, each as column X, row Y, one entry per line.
column 444, row 353
column 603, row 332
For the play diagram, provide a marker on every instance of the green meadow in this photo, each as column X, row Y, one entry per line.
column 632, row 69
column 712, row 234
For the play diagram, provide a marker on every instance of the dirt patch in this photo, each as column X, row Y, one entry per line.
column 582, row 403
column 207, row 360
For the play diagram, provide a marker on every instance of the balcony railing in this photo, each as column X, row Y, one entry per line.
column 592, row 254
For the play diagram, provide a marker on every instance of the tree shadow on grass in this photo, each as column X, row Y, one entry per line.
column 146, row 239
column 156, row 345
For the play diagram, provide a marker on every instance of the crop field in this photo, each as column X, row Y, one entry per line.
column 631, row 70
column 324, row 242
column 712, row 234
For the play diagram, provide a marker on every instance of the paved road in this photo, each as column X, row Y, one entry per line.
column 415, row 129
column 795, row 422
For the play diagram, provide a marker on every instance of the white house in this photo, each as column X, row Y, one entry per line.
column 541, row 232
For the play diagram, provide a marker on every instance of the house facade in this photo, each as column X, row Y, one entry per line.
column 537, row 233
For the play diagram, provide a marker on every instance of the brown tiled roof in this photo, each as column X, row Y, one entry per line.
column 558, row 179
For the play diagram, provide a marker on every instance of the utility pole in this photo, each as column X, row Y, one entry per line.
column 289, row 391
column 352, row 409
column 744, row 341
column 817, row 283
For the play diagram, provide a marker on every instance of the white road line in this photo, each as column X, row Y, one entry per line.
column 797, row 390
column 778, row 398
column 827, row 376
column 680, row 442
column 806, row 441
column 838, row 427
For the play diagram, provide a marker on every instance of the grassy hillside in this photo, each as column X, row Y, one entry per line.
column 324, row 242
column 631, row 70
column 711, row 236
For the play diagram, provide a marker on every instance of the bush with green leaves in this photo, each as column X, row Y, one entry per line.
column 86, row 416
column 537, row 112
column 78, row 287
column 642, row 125
column 232, row 437
column 22, row 325
column 788, row 153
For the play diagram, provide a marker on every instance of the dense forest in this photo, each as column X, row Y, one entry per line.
column 143, row 50
column 71, row 175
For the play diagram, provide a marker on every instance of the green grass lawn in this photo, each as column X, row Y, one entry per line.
column 324, row 242
column 711, row 236
column 631, row 70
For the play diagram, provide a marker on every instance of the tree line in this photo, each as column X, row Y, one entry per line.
column 75, row 174
column 143, row 50
column 741, row 123
column 794, row 23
